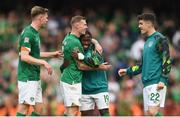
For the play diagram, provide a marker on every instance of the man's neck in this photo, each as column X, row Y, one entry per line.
column 151, row 32
column 75, row 33
column 35, row 25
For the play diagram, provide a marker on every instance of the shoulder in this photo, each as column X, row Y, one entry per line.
column 74, row 41
column 161, row 42
column 159, row 37
column 27, row 29
column 27, row 32
column 70, row 38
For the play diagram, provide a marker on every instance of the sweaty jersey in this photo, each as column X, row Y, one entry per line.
column 156, row 63
column 71, row 74
column 94, row 81
column 29, row 39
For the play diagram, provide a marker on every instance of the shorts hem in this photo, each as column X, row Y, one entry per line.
column 25, row 102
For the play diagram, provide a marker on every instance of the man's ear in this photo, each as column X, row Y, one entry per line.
column 40, row 17
column 76, row 25
column 149, row 23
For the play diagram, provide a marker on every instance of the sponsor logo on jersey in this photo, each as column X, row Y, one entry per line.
column 26, row 40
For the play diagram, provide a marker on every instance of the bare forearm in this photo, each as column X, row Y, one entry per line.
column 97, row 46
column 103, row 67
column 31, row 60
column 85, row 67
column 94, row 41
column 47, row 54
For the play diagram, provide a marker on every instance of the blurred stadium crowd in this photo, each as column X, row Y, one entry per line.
column 119, row 36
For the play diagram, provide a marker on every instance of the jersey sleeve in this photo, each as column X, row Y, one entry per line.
column 26, row 41
column 76, row 46
column 135, row 70
column 91, row 59
column 162, row 47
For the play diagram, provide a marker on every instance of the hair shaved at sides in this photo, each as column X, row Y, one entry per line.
column 148, row 17
column 76, row 19
column 37, row 10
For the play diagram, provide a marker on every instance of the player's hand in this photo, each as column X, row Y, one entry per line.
column 122, row 72
column 105, row 66
column 77, row 55
column 98, row 47
column 58, row 54
column 48, row 67
column 160, row 86
column 74, row 54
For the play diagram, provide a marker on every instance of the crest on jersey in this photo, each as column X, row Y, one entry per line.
column 26, row 40
column 32, row 99
column 150, row 44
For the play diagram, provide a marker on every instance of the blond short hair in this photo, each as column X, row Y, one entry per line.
column 37, row 10
column 76, row 19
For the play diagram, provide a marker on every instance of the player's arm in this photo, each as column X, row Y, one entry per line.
column 98, row 47
column 25, row 56
column 91, row 59
column 25, row 49
column 89, row 62
column 31, row 60
column 79, row 57
column 56, row 54
column 83, row 66
column 163, row 49
column 134, row 70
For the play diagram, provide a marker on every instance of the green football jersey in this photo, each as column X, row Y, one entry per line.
column 71, row 73
column 156, row 62
column 29, row 39
column 94, row 81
